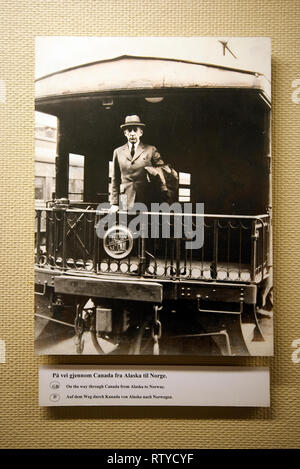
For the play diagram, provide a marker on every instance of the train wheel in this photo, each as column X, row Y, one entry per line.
column 142, row 342
column 146, row 338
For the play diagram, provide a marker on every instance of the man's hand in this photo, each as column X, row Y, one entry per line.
column 151, row 170
column 114, row 208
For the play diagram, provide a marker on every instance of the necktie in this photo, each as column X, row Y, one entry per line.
column 132, row 150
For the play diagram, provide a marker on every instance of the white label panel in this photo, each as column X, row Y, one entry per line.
column 154, row 386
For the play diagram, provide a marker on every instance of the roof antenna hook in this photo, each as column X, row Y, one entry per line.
column 225, row 46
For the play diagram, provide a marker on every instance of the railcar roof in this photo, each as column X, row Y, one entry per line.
column 132, row 73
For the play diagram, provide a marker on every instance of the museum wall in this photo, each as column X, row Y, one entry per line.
column 23, row 424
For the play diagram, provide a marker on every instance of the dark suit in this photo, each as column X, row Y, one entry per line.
column 129, row 176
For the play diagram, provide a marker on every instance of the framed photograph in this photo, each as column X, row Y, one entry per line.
column 153, row 196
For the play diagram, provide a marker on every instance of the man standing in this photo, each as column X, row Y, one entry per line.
column 133, row 165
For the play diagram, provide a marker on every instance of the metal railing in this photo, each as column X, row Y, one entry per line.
column 235, row 248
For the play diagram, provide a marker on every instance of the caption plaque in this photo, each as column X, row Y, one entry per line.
column 154, row 386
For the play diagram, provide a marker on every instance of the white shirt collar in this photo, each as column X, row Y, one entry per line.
column 135, row 145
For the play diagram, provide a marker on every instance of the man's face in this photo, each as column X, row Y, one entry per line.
column 133, row 134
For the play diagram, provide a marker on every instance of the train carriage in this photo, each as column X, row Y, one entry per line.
column 157, row 295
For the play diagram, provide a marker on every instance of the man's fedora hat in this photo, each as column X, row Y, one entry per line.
column 132, row 121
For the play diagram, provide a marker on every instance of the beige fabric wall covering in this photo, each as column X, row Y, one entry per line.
column 22, row 423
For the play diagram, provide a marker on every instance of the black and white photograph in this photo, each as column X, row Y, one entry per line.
column 153, row 196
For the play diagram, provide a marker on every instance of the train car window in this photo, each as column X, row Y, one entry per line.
column 40, row 183
column 184, row 198
column 184, row 179
column 45, row 151
column 184, row 192
column 76, row 177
